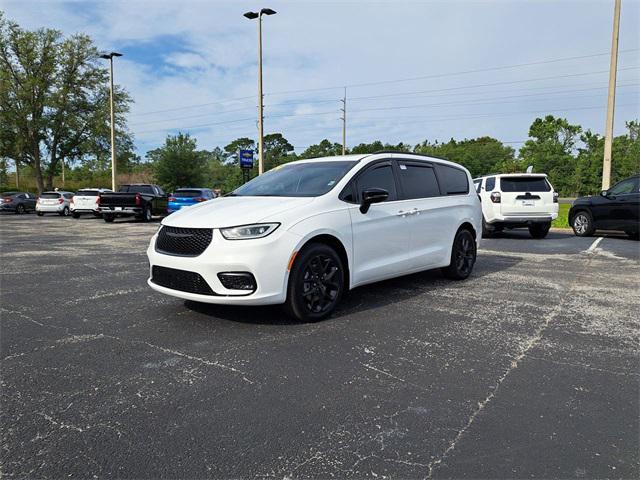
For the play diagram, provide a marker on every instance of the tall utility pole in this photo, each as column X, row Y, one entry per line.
column 344, row 122
column 109, row 56
column 252, row 16
column 611, row 101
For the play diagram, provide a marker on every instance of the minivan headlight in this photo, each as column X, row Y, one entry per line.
column 246, row 232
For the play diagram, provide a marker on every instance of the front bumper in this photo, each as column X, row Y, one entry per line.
column 265, row 258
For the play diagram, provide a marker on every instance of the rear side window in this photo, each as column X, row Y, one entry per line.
column 490, row 184
column 50, row 195
column 190, row 193
column 137, row 189
column 477, row 184
column 524, row 184
column 418, row 181
column 379, row 176
column 453, row 180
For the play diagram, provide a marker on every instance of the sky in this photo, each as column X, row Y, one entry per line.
column 413, row 70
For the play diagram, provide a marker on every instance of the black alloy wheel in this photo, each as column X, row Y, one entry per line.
column 20, row 209
column 316, row 283
column 463, row 256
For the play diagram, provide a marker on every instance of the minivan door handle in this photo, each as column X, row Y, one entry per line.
column 401, row 213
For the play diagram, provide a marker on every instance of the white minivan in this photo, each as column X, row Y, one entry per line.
column 304, row 233
column 517, row 200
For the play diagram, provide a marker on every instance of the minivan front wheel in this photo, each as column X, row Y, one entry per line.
column 463, row 256
column 316, row 283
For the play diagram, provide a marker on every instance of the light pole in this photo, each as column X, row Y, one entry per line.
column 611, row 99
column 109, row 56
column 252, row 16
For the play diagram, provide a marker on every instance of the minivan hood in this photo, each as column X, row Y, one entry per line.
column 232, row 211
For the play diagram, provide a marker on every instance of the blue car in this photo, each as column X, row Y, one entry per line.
column 184, row 197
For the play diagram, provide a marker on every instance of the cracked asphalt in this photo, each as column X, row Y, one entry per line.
column 530, row 368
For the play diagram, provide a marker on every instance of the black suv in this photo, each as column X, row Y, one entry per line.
column 615, row 209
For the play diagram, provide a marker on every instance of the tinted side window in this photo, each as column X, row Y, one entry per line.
column 477, row 185
column 380, row 176
column 626, row 186
column 454, row 181
column 418, row 181
column 490, row 184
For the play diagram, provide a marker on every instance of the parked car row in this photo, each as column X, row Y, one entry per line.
column 140, row 200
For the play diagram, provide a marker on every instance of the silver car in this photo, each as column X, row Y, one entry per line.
column 54, row 202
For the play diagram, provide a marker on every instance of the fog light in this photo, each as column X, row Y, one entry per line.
column 237, row 281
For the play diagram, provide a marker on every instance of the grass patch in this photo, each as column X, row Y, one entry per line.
column 563, row 216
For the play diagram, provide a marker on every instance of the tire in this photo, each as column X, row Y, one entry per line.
column 486, row 231
column 108, row 217
column 316, row 283
column 75, row 215
column 633, row 235
column 147, row 215
column 64, row 212
column 463, row 256
column 539, row 230
column 40, row 214
column 582, row 224
column 20, row 210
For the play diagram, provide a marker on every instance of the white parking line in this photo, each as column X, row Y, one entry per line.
column 595, row 243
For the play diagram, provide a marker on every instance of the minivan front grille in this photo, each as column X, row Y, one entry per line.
column 181, row 280
column 185, row 242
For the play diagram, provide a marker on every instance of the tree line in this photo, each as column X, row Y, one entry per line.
column 54, row 114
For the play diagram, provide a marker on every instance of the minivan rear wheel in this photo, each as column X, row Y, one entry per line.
column 463, row 256
column 539, row 230
column 316, row 283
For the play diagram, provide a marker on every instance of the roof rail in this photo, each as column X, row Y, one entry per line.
column 410, row 153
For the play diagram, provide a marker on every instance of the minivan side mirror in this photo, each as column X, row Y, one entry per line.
column 372, row 195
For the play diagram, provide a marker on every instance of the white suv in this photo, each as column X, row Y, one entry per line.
column 517, row 200
column 87, row 200
column 305, row 232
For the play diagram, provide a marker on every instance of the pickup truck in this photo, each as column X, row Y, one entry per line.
column 142, row 200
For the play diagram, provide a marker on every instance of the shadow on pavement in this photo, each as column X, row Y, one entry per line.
column 360, row 299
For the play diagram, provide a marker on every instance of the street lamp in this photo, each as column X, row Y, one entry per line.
column 252, row 16
column 109, row 56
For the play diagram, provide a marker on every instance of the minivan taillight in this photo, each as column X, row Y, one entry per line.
column 138, row 199
column 73, row 199
column 172, row 199
column 555, row 197
column 496, row 197
column 98, row 200
column 200, row 199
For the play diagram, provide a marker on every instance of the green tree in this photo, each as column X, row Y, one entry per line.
column 178, row 164
column 480, row 156
column 54, row 98
column 550, row 150
column 277, row 151
column 323, row 149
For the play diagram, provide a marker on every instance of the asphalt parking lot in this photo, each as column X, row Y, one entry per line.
column 528, row 369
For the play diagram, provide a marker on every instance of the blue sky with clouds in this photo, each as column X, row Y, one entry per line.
column 414, row 70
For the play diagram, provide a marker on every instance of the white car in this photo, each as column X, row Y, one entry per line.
column 54, row 202
column 87, row 200
column 304, row 233
column 517, row 200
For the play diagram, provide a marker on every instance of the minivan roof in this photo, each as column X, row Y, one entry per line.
column 511, row 175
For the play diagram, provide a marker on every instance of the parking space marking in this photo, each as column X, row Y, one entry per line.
column 595, row 243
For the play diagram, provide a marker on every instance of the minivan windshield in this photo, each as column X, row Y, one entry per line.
column 309, row 179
